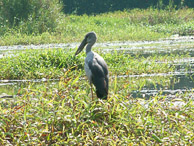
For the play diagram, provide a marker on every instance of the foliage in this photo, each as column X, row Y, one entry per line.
column 65, row 115
column 13, row 11
column 51, row 63
column 136, row 24
column 33, row 16
column 38, row 64
column 95, row 7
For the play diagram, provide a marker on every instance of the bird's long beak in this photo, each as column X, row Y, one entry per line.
column 81, row 47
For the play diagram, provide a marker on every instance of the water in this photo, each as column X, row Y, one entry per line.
column 182, row 80
column 180, row 83
column 14, row 87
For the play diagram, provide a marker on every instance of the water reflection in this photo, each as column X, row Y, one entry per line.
column 178, row 84
column 13, row 87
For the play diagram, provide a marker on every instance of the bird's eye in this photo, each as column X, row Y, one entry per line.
column 88, row 38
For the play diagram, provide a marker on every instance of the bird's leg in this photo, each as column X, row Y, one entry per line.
column 91, row 90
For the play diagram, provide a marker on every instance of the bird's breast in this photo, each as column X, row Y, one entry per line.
column 89, row 58
column 88, row 72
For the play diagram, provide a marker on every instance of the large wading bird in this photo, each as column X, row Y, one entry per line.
column 95, row 67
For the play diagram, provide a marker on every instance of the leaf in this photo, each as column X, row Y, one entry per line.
column 155, row 137
column 115, row 84
column 76, row 79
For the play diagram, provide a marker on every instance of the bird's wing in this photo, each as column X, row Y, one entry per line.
column 98, row 67
column 103, row 64
column 99, row 76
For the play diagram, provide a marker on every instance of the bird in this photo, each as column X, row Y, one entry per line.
column 95, row 67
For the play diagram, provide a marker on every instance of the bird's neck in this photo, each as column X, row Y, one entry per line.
column 88, row 48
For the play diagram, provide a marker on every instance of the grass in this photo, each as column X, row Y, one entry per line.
column 63, row 113
column 37, row 64
column 115, row 26
column 53, row 63
column 66, row 116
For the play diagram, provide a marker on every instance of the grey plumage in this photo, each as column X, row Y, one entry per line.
column 95, row 67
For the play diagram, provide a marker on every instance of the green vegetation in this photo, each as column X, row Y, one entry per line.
column 137, row 24
column 52, row 63
column 64, row 114
column 37, row 64
column 61, row 112
column 30, row 16
column 102, row 6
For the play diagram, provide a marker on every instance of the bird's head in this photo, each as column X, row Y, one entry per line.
column 90, row 38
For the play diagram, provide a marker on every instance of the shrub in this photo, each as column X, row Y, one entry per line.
column 35, row 16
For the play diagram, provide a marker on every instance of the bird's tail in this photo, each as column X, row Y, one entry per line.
column 101, row 95
column 101, row 88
